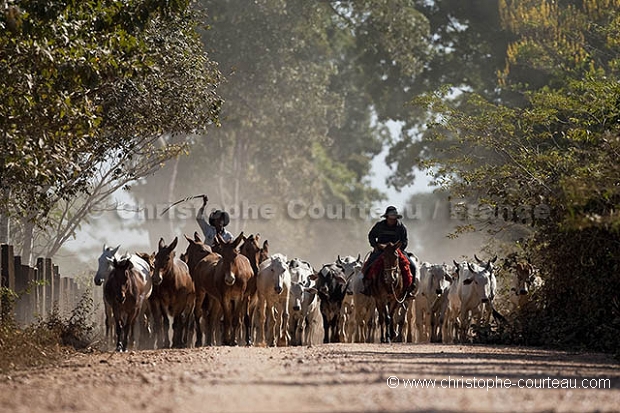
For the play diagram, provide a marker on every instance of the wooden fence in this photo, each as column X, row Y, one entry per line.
column 47, row 287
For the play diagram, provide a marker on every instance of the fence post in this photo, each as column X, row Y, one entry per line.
column 21, row 283
column 56, row 286
column 40, row 288
column 7, row 273
column 49, row 286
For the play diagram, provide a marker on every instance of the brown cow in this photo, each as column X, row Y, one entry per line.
column 173, row 295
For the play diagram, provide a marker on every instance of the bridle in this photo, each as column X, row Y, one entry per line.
column 391, row 276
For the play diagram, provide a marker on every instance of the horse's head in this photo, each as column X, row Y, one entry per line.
column 164, row 259
column 229, row 252
column 264, row 252
column 391, row 269
column 251, row 249
column 105, row 264
column 119, row 276
column 196, row 250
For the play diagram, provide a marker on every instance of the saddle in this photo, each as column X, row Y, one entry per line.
column 377, row 268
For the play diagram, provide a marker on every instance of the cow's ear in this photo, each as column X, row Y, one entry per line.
column 468, row 281
column 470, row 267
column 448, row 278
column 314, row 276
column 311, row 290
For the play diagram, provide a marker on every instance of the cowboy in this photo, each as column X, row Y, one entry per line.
column 387, row 230
column 218, row 219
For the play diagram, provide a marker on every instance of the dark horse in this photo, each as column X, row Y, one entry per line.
column 202, row 261
column 173, row 295
column 387, row 289
column 233, row 275
column 125, row 291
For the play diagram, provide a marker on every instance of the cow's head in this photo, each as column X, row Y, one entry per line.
column 330, row 280
column 480, row 280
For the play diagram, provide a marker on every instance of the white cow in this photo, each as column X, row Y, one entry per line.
column 273, row 284
column 434, row 280
column 364, row 310
column 304, row 308
column 346, row 322
column 305, row 314
column 450, row 323
column 476, row 290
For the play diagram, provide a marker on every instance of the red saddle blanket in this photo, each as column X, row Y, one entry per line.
column 405, row 270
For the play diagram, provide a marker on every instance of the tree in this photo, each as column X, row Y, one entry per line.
column 556, row 149
column 71, row 71
column 301, row 120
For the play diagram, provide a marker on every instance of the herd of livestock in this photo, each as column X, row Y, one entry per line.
column 238, row 292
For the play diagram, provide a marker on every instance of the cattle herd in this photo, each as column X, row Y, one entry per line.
column 237, row 292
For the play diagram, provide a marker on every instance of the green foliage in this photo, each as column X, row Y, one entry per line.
column 558, row 148
column 83, row 82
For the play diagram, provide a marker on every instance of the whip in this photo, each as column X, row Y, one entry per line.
column 181, row 201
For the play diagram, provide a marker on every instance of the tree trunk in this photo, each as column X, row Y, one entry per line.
column 28, row 241
column 5, row 232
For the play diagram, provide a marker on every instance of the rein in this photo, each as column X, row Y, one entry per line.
column 402, row 300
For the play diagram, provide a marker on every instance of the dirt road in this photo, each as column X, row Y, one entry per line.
column 335, row 377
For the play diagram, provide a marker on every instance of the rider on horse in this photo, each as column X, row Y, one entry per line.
column 387, row 230
column 218, row 219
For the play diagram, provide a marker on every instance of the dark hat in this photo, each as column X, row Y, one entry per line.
column 391, row 211
column 217, row 214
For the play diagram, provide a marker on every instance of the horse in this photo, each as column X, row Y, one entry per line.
column 233, row 274
column 273, row 290
column 256, row 254
column 173, row 295
column 105, row 268
column 125, row 291
column 388, row 289
column 201, row 262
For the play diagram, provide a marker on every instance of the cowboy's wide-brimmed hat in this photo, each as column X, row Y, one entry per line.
column 219, row 214
column 391, row 211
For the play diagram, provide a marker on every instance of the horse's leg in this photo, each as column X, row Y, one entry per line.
column 188, row 320
column 119, row 332
column 247, row 321
column 237, row 311
column 227, row 309
column 110, row 324
column 198, row 312
column 389, row 324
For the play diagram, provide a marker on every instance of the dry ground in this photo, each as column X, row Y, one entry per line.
column 335, row 377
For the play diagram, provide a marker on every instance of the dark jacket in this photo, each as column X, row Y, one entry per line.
column 382, row 233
